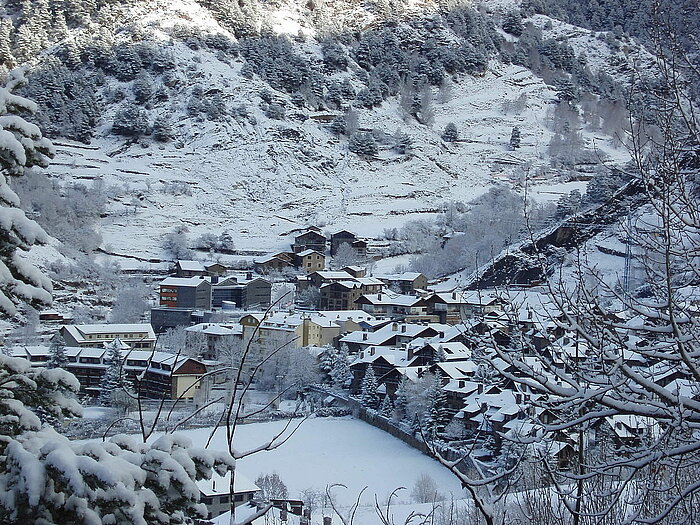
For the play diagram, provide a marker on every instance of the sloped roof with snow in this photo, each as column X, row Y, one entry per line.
column 190, row 266
column 183, row 281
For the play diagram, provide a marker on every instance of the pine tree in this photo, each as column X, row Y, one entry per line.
column 401, row 401
column 436, row 417
column 57, row 353
column 47, row 478
column 515, row 138
column 363, row 143
column 341, row 375
column 369, row 397
column 386, row 409
column 450, row 134
column 328, row 358
column 113, row 377
column 22, row 146
column 6, row 56
column 440, row 355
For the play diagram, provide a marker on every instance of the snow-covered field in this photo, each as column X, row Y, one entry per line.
column 325, row 451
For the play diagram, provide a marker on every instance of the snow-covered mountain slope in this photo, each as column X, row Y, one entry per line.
column 262, row 181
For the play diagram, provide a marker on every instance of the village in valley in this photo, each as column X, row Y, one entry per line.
column 397, row 350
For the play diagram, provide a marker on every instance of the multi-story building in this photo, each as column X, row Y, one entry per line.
column 243, row 291
column 159, row 372
column 185, row 292
column 138, row 336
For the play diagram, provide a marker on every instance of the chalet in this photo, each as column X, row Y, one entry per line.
column 628, row 430
column 360, row 247
column 348, row 320
column 160, row 373
column 137, row 336
column 454, row 307
column 243, row 291
column 186, row 268
column 215, row 269
column 406, row 282
column 341, row 295
column 309, row 240
column 434, row 352
column 390, row 380
column 355, row 271
column 382, row 359
column 392, row 334
column 316, row 279
column 185, row 292
column 310, row 261
column 215, row 492
column 274, row 262
column 393, row 305
column 340, row 238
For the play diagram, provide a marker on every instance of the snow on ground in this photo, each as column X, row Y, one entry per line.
column 325, row 451
column 264, row 181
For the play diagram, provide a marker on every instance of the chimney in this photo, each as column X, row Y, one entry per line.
column 249, row 275
column 327, row 520
column 379, row 297
column 403, row 328
column 364, row 336
column 214, row 279
column 441, row 334
column 394, row 327
column 481, row 388
column 454, row 295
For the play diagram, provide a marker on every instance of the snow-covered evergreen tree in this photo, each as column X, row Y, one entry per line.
column 363, row 143
column 46, row 478
column 386, row 409
column 341, row 375
column 328, row 358
column 401, row 401
column 21, row 145
column 437, row 417
column 515, row 138
column 113, row 377
column 450, row 134
column 369, row 397
column 57, row 353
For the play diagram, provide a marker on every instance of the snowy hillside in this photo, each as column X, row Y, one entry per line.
column 261, row 178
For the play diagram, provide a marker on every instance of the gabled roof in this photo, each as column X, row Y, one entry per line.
column 389, row 299
column 309, row 252
column 463, row 297
column 190, row 266
column 405, row 276
column 333, row 275
column 221, row 485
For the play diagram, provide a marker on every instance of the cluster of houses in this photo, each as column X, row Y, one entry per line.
column 308, row 252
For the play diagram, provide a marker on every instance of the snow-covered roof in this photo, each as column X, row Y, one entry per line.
column 465, row 297
column 309, row 252
column 183, row 281
column 390, row 299
column 334, row 275
column 219, row 485
column 190, row 266
column 378, row 337
column 107, row 328
column 347, row 315
column 405, row 276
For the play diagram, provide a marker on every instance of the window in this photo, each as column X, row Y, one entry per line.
column 238, row 497
column 224, row 499
column 205, row 500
